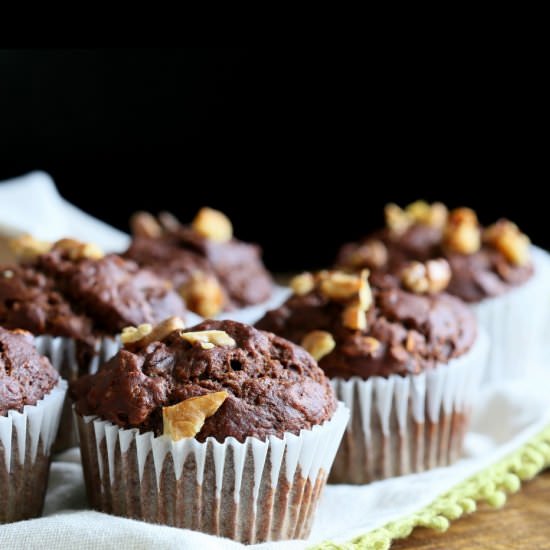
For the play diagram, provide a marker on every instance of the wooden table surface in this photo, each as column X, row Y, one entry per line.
column 523, row 523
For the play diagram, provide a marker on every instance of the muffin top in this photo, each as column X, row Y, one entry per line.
column 484, row 262
column 25, row 375
column 212, row 270
column 70, row 289
column 354, row 329
column 261, row 385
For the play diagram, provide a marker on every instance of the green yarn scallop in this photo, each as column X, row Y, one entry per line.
column 490, row 485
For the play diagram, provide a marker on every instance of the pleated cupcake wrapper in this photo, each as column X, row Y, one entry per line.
column 62, row 353
column 405, row 424
column 515, row 323
column 26, row 440
column 251, row 492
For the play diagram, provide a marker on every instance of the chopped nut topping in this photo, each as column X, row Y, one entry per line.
column 462, row 233
column 302, row 284
column 131, row 335
column 338, row 285
column 354, row 317
column 506, row 237
column 371, row 344
column 372, row 253
column 365, row 292
column 208, row 339
column 318, row 343
column 213, row 224
column 78, row 250
column 7, row 274
column 144, row 334
column 169, row 222
column 397, row 220
column 203, row 294
column 186, row 419
column 431, row 277
column 26, row 247
column 434, row 215
column 410, row 343
column 143, row 224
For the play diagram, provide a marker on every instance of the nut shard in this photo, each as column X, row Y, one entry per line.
column 144, row 224
column 208, row 339
column 144, row 334
column 430, row 277
column 302, row 284
column 203, row 294
column 213, row 224
column 318, row 343
column 186, row 419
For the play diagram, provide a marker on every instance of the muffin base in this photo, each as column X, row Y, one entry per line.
column 402, row 425
column 26, row 439
column 250, row 492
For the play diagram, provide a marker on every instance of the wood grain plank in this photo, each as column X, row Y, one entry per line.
column 524, row 522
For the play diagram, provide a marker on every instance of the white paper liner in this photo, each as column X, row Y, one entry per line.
column 251, row 492
column 26, row 439
column 405, row 424
column 62, row 353
column 251, row 314
column 515, row 323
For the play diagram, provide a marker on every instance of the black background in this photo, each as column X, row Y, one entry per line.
column 301, row 148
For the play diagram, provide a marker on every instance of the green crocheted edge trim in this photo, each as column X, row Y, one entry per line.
column 490, row 485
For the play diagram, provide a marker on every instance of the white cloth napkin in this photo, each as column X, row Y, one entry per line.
column 508, row 415
column 32, row 204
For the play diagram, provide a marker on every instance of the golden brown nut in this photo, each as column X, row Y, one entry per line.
column 354, row 317
column 78, row 250
column 432, row 277
column 370, row 344
column 186, row 419
column 213, row 224
column 302, row 284
column 506, row 237
column 373, row 254
column 169, row 222
column 434, row 215
column 143, row 224
column 318, row 343
column 397, row 220
column 143, row 335
column 26, row 247
column 462, row 233
column 338, row 285
column 365, row 292
column 203, row 294
column 208, row 339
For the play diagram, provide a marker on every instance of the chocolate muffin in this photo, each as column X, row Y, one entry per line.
column 223, row 397
column 371, row 340
column 75, row 301
column 28, row 384
column 494, row 268
column 212, row 270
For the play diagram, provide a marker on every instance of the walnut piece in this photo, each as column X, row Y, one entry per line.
column 203, row 294
column 370, row 344
column 169, row 222
column 354, row 317
column 26, row 247
column 397, row 220
column 144, row 334
column 434, row 215
column 78, row 250
column 462, row 233
column 143, row 224
column 318, row 343
column 338, row 285
column 213, row 224
column 208, row 339
column 372, row 253
column 302, row 284
column 186, row 419
column 506, row 237
column 430, row 277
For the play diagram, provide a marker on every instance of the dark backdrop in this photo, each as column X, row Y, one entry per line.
column 301, row 148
